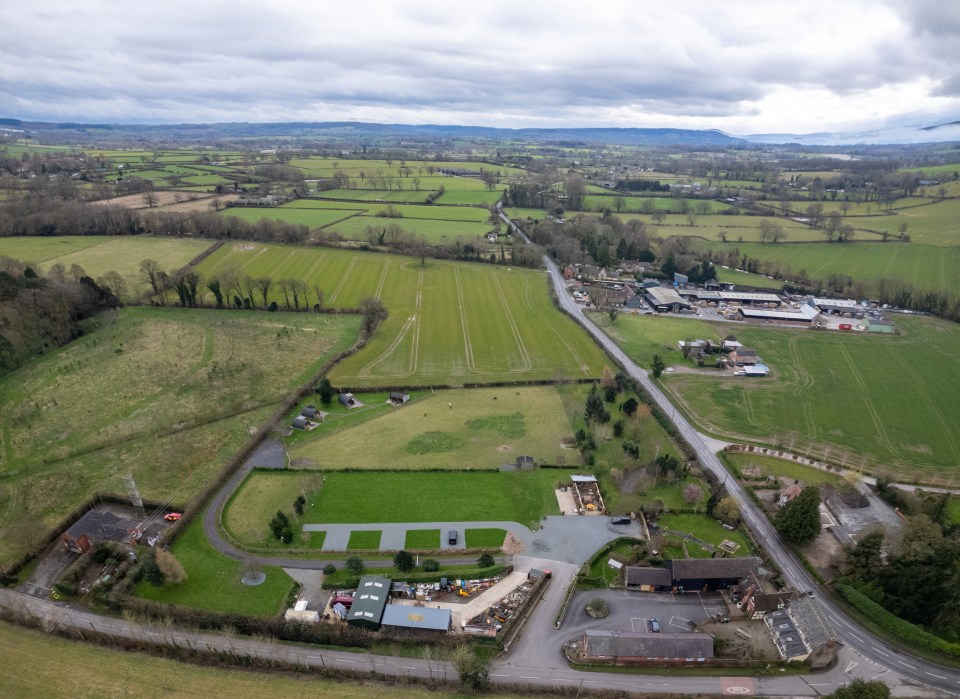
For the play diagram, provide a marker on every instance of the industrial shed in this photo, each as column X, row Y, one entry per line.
column 805, row 315
column 665, row 300
column 405, row 616
column 620, row 647
column 369, row 602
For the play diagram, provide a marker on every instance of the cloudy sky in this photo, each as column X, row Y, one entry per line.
column 743, row 66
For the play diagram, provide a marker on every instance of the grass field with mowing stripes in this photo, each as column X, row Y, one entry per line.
column 449, row 322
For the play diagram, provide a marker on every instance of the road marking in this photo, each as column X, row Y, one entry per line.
column 939, row 677
column 857, row 637
column 407, row 667
column 907, row 664
column 880, row 651
column 341, row 660
column 853, row 664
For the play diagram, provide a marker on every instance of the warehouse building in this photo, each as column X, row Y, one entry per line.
column 405, row 616
column 623, row 647
column 803, row 316
column 369, row 602
column 665, row 300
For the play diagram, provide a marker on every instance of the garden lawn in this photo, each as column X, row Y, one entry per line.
column 423, row 539
column 781, row 468
column 430, row 496
column 484, row 538
column 481, row 428
column 839, row 397
column 705, row 529
column 364, row 540
column 213, row 580
column 267, row 492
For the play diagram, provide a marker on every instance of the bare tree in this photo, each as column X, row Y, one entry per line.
column 150, row 200
column 264, row 284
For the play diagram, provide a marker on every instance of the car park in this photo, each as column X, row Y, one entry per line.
column 654, row 625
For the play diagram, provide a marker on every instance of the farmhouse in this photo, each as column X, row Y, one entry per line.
column 369, row 602
column 707, row 574
column 743, row 356
column 665, row 300
column 405, row 616
column 621, row 647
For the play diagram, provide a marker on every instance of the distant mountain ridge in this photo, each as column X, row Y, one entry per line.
column 341, row 129
column 904, row 134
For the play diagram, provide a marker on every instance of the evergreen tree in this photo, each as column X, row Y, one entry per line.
column 799, row 520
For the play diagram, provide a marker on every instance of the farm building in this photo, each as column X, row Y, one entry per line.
column 805, row 315
column 405, row 616
column 707, row 574
column 750, row 298
column 743, row 356
column 756, row 370
column 621, row 647
column 399, row 398
column 369, row 602
column 648, row 579
column 665, row 300
column 836, row 305
column 299, row 423
column 301, row 613
column 786, row 636
column 680, row 279
column 310, row 413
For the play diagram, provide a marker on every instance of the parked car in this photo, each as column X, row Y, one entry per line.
column 620, row 520
column 654, row 625
column 452, row 537
column 172, row 516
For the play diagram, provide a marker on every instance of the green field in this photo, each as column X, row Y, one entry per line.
column 458, row 429
column 642, row 337
column 166, row 394
column 423, row 539
column 364, row 540
column 449, row 322
column 87, row 671
column 213, row 580
column 924, row 266
column 484, row 538
column 434, row 496
column 705, row 529
column 746, row 279
column 312, row 218
column 782, row 468
column 433, row 231
column 864, row 401
column 100, row 254
column 737, row 229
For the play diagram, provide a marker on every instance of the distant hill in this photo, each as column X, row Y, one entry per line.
column 908, row 133
column 152, row 133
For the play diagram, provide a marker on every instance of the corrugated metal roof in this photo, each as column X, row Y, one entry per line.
column 409, row 617
column 583, row 479
column 623, row 644
column 370, row 599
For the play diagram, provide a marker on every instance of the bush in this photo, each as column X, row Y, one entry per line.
column 329, row 569
column 618, row 428
column 152, row 573
column 431, row 565
column 281, row 528
column 486, row 560
column 171, row 568
column 354, row 564
column 403, row 561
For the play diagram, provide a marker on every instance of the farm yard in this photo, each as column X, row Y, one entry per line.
column 458, row 429
column 449, row 322
column 168, row 395
column 843, row 398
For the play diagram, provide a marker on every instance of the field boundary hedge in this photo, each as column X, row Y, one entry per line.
column 900, row 629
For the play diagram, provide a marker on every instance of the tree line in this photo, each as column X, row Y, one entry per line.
column 39, row 314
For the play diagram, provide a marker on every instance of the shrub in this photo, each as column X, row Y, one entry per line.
column 354, row 564
column 403, row 561
column 486, row 560
column 171, row 568
column 329, row 569
column 431, row 565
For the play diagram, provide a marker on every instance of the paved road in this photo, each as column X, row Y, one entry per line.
column 852, row 634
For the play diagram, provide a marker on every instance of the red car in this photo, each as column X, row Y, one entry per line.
column 172, row 516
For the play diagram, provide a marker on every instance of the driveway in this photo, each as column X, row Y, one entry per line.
column 571, row 539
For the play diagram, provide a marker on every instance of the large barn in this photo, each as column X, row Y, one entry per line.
column 708, row 574
column 620, row 647
column 369, row 602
